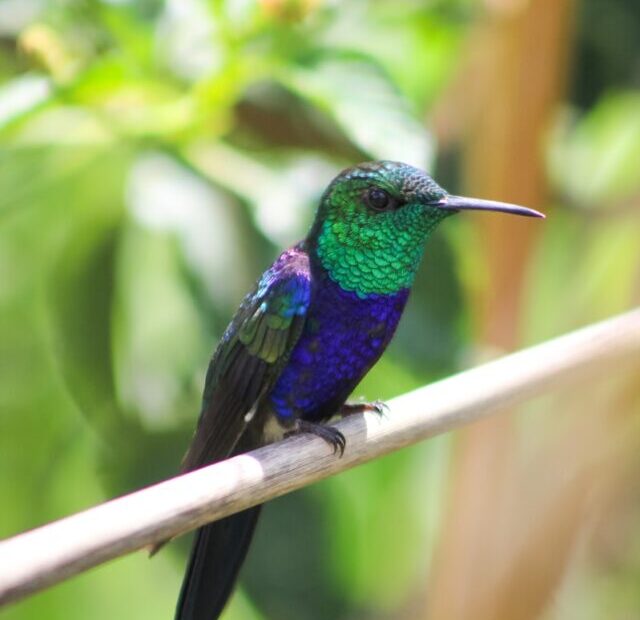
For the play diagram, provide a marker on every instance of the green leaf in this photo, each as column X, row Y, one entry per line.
column 282, row 192
column 21, row 96
column 158, row 335
column 80, row 284
column 595, row 162
column 359, row 97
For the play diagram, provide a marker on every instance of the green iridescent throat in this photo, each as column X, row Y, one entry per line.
column 374, row 253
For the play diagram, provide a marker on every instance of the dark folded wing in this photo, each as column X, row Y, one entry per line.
column 250, row 357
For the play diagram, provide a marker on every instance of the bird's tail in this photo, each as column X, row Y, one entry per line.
column 216, row 557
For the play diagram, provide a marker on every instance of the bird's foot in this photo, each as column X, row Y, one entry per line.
column 331, row 435
column 378, row 407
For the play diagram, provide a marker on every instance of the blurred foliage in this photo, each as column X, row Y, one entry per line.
column 154, row 156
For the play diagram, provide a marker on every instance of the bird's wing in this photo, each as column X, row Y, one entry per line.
column 250, row 357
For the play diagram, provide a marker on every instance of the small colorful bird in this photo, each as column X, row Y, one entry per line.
column 315, row 323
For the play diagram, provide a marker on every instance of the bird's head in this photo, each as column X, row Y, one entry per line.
column 374, row 219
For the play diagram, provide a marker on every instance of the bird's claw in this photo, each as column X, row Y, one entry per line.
column 378, row 407
column 329, row 434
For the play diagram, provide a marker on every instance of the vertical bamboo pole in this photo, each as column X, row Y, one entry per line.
column 519, row 60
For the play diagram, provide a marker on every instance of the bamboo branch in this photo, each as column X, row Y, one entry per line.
column 42, row 557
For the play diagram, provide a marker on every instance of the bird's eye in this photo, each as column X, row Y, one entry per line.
column 378, row 199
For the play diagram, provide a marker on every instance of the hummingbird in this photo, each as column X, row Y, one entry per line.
column 315, row 323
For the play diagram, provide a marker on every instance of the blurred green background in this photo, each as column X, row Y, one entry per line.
column 156, row 155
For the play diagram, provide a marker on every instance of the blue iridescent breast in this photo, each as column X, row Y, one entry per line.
column 343, row 336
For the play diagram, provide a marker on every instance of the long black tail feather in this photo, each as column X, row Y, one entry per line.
column 216, row 557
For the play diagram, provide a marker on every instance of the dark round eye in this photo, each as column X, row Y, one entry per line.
column 378, row 199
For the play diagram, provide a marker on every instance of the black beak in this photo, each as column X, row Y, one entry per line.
column 462, row 203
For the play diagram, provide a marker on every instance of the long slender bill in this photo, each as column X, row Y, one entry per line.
column 462, row 203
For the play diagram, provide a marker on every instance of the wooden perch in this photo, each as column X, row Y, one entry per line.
column 42, row 557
